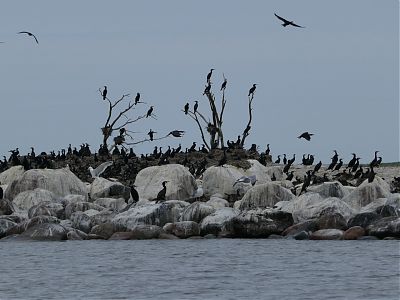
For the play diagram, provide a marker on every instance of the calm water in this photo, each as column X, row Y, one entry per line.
column 200, row 269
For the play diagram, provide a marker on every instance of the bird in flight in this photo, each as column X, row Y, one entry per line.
column 306, row 135
column 30, row 34
column 286, row 22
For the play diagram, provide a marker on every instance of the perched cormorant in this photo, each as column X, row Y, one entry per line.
column 196, row 106
column 317, row 167
column 137, row 98
column 186, row 108
column 278, row 161
column 193, row 147
column 268, row 150
column 207, row 89
column 223, row 160
column 161, row 194
column 290, row 176
column 1, row 193
column 286, row 22
column 339, row 165
column 373, row 163
column 273, row 178
column 252, row 89
column 291, row 161
column 352, row 161
column 209, row 76
column 104, row 94
column 356, row 164
column 223, row 86
column 149, row 112
column 151, row 134
column 284, row 159
column 286, row 168
column 30, row 34
column 359, row 173
column 306, row 135
column 134, row 194
column 371, row 175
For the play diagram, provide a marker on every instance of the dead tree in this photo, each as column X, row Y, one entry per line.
column 246, row 131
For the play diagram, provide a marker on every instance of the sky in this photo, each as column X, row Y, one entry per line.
column 337, row 78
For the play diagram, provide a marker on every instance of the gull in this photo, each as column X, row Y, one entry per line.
column 100, row 169
column 30, row 34
column 286, row 22
column 246, row 179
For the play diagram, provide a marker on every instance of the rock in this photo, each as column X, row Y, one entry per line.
column 221, row 179
column 368, row 238
column 76, row 235
column 261, row 223
column 275, row 237
column 387, row 211
column 185, row 229
column 46, row 232
column 308, row 226
column 116, row 204
column 26, row 200
column 104, row 188
column 94, row 237
column 367, row 192
column 196, row 212
column 180, row 186
column 277, row 171
column 310, row 206
column 220, row 221
column 363, row 219
column 40, row 220
column 168, row 228
column 5, row 226
column 150, row 214
column 330, row 189
column 331, row 220
column 145, row 232
column 11, row 174
column 80, row 206
column 236, row 204
column 104, row 216
column 327, row 234
column 81, row 221
column 47, row 209
column 389, row 226
column 264, row 196
column 6, row 207
column 72, row 199
column 210, row 236
column 259, row 170
column 60, row 182
column 167, row 236
column 121, row 236
column 105, row 230
column 354, row 233
column 217, row 202
column 302, row 235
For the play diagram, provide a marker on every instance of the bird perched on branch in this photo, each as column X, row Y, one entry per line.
column 151, row 134
column 286, row 22
column 186, row 108
column 176, row 133
column 149, row 112
column 306, row 135
column 196, row 106
column 30, row 34
column 209, row 76
column 252, row 89
column 100, row 169
column 104, row 93
column 137, row 98
column 223, row 86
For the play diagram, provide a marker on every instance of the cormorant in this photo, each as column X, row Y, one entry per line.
column 252, row 90
column 278, row 161
column 375, row 160
column 186, row 108
column 352, row 161
column 207, row 89
column 176, row 133
column 290, row 176
column 149, row 112
column 284, row 159
column 33, row 155
column 209, row 76
column 358, row 173
column 223, row 86
column 339, row 165
column 356, row 164
column 161, row 194
column 268, row 150
column 104, row 94
column 306, row 135
column 193, row 147
column 137, row 98
column 151, row 134
column 196, row 106
column 30, row 34
column 332, row 165
column 286, row 22
column 317, row 167
column 1, row 193
column 335, row 157
column 273, row 178
column 286, row 168
column 371, row 175
column 291, row 161
column 223, row 160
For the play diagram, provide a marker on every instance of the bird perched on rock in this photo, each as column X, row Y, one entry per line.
column 100, row 169
column 306, row 135
column 286, row 22
column 176, row 133
column 1, row 193
column 246, row 179
column 161, row 194
column 252, row 89
column 30, row 34
column 134, row 193
column 104, row 93
column 223, row 160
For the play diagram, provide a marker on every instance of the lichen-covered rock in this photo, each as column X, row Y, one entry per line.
column 104, row 188
column 106, row 230
column 387, row 211
column 332, row 220
column 276, row 171
column 27, row 199
column 6, row 207
column 80, row 206
column 196, row 212
column 354, row 233
column 330, row 189
column 217, row 202
column 363, row 219
column 47, row 209
column 261, row 223
column 367, row 192
column 219, row 222
column 150, row 214
column 46, row 232
column 385, row 227
column 327, row 234
column 81, row 221
column 265, row 196
column 185, row 229
column 180, row 186
column 104, row 216
column 115, row 204
column 11, row 174
column 40, row 220
column 220, row 180
column 60, row 182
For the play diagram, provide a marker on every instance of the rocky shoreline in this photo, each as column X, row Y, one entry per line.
column 56, row 204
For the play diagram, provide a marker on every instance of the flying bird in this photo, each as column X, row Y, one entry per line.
column 286, row 22
column 100, row 169
column 176, row 133
column 30, row 34
column 306, row 135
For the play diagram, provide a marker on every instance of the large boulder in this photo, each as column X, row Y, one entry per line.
column 60, row 182
column 385, row 227
column 105, row 230
column 261, row 223
column 115, row 204
column 196, row 212
column 306, row 226
column 184, row 229
column 392, row 200
column 5, row 225
column 331, row 220
column 354, row 233
column 367, row 192
column 47, row 209
column 81, row 221
column 217, row 202
column 327, row 234
column 311, row 205
column 104, row 188
column 264, row 196
column 330, row 189
column 139, row 232
column 180, row 186
column 259, row 170
column 6, row 207
column 80, row 206
column 220, row 222
column 220, row 180
column 363, row 219
column 104, row 216
column 11, row 174
column 27, row 199
column 149, row 214
column 46, row 232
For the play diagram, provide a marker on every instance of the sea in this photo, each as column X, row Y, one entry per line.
column 200, row 269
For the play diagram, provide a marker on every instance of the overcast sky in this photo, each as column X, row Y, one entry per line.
column 337, row 78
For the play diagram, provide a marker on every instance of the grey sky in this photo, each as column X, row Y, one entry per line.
column 337, row 78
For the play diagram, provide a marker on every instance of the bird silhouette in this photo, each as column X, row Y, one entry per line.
column 161, row 194
column 196, row 106
column 252, row 89
column 286, row 22
column 176, row 133
column 186, row 108
column 209, row 76
column 223, row 86
column 30, row 34
column 100, row 169
column 104, row 94
column 137, row 98
column 306, row 135
column 149, row 112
